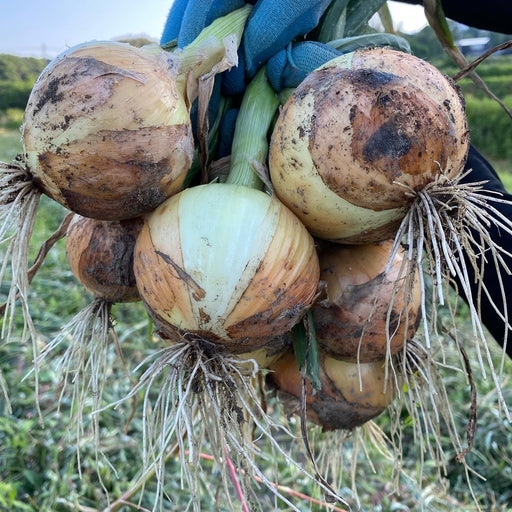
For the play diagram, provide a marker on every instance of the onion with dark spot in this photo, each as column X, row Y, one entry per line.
column 107, row 131
column 100, row 254
column 351, row 393
column 358, row 136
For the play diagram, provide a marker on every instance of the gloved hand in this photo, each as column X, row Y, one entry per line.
column 271, row 26
column 290, row 66
column 187, row 18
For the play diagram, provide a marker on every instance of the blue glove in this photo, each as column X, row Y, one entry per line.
column 187, row 18
column 174, row 21
column 273, row 24
column 290, row 66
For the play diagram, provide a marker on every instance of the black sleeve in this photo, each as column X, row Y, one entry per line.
column 481, row 170
column 493, row 15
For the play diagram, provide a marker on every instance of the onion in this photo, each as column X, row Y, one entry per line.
column 370, row 310
column 351, row 393
column 100, row 254
column 358, row 135
column 225, row 264
column 107, row 132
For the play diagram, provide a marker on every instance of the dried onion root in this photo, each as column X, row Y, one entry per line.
column 446, row 232
column 203, row 394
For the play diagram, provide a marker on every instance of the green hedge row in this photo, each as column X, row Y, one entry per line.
column 14, row 94
column 490, row 126
column 501, row 86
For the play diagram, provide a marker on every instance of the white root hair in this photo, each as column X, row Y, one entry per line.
column 205, row 395
column 19, row 200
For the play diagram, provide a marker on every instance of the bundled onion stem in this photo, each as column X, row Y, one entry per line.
column 445, row 230
column 207, row 395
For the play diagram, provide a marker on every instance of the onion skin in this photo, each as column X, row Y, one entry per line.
column 340, row 403
column 225, row 264
column 100, row 254
column 351, row 323
column 106, row 131
column 269, row 353
column 358, row 135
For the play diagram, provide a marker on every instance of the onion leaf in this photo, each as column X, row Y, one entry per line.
column 306, row 350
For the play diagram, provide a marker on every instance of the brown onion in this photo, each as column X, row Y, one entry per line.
column 359, row 136
column 369, row 312
column 107, row 132
column 351, row 393
column 100, row 254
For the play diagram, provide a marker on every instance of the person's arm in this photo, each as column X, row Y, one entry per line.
column 481, row 170
column 493, row 15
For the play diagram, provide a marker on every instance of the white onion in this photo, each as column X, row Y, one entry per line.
column 225, row 264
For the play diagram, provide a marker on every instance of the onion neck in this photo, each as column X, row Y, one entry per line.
column 250, row 141
column 208, row 48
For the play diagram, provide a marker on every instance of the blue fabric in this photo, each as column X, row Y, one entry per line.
column 226, row 132
column 174, row 21
column 234, row 81
column 200, row 13
column 273, row 24
column 290, row 66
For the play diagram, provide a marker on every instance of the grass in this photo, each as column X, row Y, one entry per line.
column 43, row 469
column 10, row 144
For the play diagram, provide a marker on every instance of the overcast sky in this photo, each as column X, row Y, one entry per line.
column 45, row 28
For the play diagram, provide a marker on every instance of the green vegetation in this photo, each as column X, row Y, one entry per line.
column 17, row 76
column 43, row 469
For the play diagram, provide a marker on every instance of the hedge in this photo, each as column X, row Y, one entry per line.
column 501, row 86
column 490, row 126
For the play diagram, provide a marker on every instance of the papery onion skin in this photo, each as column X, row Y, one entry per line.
column 351, row 323
column 341, row 403
column 107, row 132
column 100, row 254
column 225, row 264
column 358, row 135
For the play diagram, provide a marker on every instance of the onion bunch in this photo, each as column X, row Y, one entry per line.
column 365, row 156
column 371, row 146
column 107, row 134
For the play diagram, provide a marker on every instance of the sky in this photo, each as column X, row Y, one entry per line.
column 39, row 28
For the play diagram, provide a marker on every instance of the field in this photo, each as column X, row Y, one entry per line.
column 43, row 469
